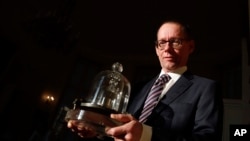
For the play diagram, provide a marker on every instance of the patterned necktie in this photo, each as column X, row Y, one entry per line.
column 153, row 96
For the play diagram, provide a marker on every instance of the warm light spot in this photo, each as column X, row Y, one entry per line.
column 50, row 98
column 47, row 96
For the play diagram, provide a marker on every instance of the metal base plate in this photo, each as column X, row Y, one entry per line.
column 92, row 120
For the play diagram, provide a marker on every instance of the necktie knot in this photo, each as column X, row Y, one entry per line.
column 162, row 79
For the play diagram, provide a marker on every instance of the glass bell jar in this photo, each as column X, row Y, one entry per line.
column 109, row 93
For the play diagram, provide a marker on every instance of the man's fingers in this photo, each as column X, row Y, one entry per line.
column 116, row 131
column 122, row 117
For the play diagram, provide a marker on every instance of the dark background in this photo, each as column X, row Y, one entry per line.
column 55, row 48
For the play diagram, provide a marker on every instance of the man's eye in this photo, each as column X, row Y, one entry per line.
column 175, row 41
column 162, row 42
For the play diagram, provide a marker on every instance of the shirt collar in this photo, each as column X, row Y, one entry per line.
column 175, row 74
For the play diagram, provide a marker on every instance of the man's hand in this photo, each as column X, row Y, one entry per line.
column 131, row 130
column 81, row 129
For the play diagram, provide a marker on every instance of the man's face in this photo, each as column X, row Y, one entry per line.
column 173, row 48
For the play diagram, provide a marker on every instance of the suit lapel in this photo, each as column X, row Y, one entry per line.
column 138, row 102
column 175, row 91
column 178, row 88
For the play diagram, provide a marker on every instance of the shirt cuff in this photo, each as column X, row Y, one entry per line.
column 146, row 133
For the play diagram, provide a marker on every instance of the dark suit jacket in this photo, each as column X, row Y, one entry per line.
column 191, row 110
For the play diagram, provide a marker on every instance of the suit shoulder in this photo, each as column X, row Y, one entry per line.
column 204, row 79
column 193, row 77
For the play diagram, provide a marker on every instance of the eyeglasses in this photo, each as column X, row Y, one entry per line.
column 173, row 42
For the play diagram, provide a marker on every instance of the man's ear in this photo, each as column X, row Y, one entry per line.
column 192, row 46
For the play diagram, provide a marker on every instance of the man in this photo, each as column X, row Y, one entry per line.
column 188, row 108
